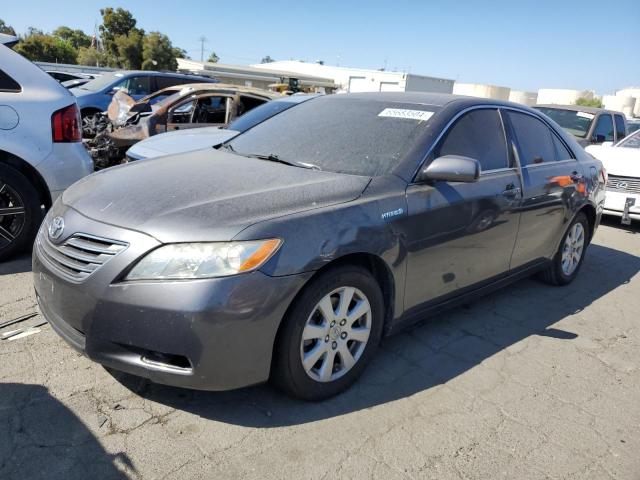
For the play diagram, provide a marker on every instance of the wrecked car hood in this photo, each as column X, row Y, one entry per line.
column 205, row 195
column 180, row 141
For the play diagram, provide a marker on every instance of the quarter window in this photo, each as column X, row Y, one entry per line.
column 604, row 129
column 620, row 130
column 478, row 134
column 535, row 140
column 8, row 84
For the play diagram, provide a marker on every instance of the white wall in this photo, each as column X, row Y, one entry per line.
column 632, row 92
column 562, row 96
column 525, row 98
column 481, row 90
column 619, row 103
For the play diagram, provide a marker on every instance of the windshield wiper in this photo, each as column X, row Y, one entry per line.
column 271, row 158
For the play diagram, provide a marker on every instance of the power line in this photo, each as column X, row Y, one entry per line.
column 202, row 39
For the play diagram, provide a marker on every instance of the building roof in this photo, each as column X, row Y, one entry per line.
column 576, row 108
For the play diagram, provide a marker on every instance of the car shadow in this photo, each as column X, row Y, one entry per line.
column 17, row 264
column 611, row 221
column 41, row 438
column 422, row 357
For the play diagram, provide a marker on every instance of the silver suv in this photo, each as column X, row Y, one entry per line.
column 41, row 150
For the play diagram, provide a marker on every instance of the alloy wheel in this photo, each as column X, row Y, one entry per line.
column 572, row 249
column 335, row 334
column 12, row 215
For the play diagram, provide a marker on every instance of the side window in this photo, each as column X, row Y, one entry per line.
column 247, row 103
column 182, row 113
column 478, row 134
column 139, row 85
column 562, row 153
column 211, row 110
column 8, row 84
column 604, row 129
column 535, row 140
column 619, row 127
column 164, row 82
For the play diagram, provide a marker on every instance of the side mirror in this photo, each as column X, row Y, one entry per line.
column 452, row 168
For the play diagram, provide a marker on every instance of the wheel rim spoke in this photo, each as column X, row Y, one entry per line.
column 345, row 300
column 327, row 366
column 361, row 307
column 311, row 331
column 11, row 211
column 345, row 356
column 312, row 357
column 326, row 308
column 6, row 234
column 360, row 334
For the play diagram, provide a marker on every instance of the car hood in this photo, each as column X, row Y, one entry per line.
column 619, row 161
column 180, row 141
column 205, row 195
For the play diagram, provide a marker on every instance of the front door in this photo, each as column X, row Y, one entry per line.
column 460, row 235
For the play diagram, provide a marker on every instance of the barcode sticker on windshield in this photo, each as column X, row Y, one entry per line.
column 585, row 115
column 419, row 115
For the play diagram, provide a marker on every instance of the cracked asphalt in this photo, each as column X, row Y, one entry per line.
column 531, row 382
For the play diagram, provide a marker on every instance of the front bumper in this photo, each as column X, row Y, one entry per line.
column 615, row 202
column 213, row 334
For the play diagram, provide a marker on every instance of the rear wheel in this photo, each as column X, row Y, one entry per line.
column 330, row 334
column 570, row 254
column 20, row 212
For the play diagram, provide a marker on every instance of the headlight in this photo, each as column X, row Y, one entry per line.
column 203, row 260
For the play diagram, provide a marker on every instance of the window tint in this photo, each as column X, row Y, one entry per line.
column 247, row 103
column 259, row 114
column 535, row 140
column 478, row 134
column 562, row 153
column 604, row 128
column 619, row 126
column 8, row 84
column 164, row 82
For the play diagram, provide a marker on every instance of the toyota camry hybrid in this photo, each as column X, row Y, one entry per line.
column 288, row 252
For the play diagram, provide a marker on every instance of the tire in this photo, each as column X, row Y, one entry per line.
column 20, row 199
column 556, row 273
column 332, row 341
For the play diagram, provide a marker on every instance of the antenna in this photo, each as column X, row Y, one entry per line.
column 202, row 39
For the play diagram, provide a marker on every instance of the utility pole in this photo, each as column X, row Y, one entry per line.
column 202, row 39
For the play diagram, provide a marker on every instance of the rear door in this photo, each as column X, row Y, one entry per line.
column 458, row 234
column 552, row 178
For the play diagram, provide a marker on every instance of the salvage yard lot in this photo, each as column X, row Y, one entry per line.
column 531, row 382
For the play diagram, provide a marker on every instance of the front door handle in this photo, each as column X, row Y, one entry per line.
column 511, row 191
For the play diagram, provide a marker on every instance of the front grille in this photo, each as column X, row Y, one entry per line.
column 623, row 184
column 79, row 255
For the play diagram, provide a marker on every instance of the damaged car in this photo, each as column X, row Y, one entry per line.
column 192, row 106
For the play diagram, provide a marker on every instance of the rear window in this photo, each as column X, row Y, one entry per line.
column 8, row 84
column 337, row 134
column 258, row 115
column 576, row 123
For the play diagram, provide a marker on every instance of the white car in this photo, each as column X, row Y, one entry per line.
column 41, row 151
column 622, row 162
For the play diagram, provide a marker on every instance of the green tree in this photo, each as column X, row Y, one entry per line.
column 92, row 57
column 7, row 29
column 129, row 50
column 180, row 53
column 213, row 58
column 267, row 59
column 589, row 102
column 158, row 53
column 46, row 48
column 77, row 38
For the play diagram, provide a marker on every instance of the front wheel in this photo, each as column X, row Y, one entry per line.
column 570, row 255
column 330, row 334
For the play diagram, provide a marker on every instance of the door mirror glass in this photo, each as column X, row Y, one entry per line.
column 452, row 168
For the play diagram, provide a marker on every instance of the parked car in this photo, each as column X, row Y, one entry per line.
column 633, row 125
column 194, row 106
column 289, row 251
column 181, row 141
column 40, row 149
column 622, row 162
column 95, row 96
column 75, row 83
column 589, row 125
column 66, row 76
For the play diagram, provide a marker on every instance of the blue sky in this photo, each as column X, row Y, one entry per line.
column 521, row 44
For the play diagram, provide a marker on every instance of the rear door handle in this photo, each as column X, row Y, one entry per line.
column 511, row 192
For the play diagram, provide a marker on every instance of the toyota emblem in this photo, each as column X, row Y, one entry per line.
column 56, row 227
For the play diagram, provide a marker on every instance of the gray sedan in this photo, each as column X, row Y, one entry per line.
column 291, row 250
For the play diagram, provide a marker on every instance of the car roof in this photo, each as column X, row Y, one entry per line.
column 8, row 40
column 189, row 88
column 576, row 108
column 122, row 73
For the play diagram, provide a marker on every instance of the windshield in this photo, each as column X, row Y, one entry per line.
column 576, row 123
column 101, row 82
column 259, row 115
column 347, row 135
column 633, row 126
column 632, row 141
